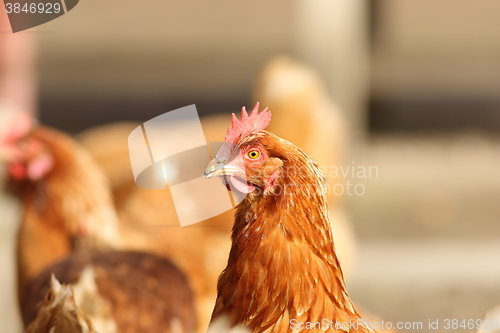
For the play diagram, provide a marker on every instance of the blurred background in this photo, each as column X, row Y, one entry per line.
column 418, row 83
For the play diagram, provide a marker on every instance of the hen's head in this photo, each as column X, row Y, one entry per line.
column 26, row 157
column 59, row 312
column 57, row 294
column 252, row 161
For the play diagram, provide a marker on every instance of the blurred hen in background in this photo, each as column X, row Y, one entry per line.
column 119, row 292
column 69, row 222
column 66, row 200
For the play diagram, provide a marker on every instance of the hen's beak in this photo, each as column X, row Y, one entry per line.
column 220, row 168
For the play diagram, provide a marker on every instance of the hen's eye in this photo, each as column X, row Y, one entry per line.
column 253, row 154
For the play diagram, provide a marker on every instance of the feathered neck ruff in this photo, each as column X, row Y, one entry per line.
column 282, row 268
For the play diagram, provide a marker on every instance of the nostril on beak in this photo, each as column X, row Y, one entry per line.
column 221, row 161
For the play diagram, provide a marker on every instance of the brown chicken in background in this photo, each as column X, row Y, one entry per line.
column 125, row 292
column 69, row 216
column 66, row 200
column 282, row 269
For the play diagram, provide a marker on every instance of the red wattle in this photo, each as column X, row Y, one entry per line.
column 17, row 171
column 241, row 185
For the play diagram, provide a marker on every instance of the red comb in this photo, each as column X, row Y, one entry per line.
column 255, row 122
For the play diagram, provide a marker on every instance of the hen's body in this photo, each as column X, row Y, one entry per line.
column 69, row 208
column 282, row 268
column 69, row 216
column 143, row 293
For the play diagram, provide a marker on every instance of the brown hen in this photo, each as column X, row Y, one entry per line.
column 282, row 269
column 66, row 200
column 126, row 292
column 69, row 215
